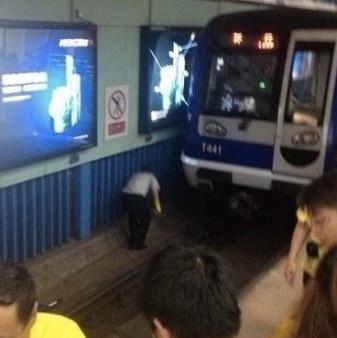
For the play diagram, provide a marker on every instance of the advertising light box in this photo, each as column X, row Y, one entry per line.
column 48, row 90
column 165, row 68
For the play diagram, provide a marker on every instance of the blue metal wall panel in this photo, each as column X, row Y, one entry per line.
column 35, row 216
column 81, row 197
column 110, row 174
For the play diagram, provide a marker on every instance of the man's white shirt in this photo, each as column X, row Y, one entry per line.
column 140, row 183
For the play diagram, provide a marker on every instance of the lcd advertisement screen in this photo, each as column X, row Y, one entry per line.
column 48, row 91
column 165, row 65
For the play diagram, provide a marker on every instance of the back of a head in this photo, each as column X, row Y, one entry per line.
column 17, row 287
column 320, row 193
column 188, row 289
column 146, row 169
column 318, row 311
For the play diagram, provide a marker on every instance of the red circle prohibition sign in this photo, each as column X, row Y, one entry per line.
column 117, row 105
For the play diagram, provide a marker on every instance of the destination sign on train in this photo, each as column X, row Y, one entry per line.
column 237, row 39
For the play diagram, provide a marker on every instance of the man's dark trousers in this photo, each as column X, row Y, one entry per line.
column 139, row 219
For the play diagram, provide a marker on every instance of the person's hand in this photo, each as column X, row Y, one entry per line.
column 290, row 271
column 160, row 331
column 157, row 209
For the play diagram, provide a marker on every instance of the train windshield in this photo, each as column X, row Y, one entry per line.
column 241, row 85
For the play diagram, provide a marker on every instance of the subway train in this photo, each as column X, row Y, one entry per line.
column 263, row 101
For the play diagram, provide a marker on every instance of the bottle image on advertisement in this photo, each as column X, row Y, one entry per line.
column 65, row 105
column 171, row 85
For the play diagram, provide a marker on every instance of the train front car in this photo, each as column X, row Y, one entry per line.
column 261, row 102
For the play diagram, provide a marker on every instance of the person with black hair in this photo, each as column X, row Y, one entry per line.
column 19, row 317
column 187, row 292
column 316, row 226
column 135, row 198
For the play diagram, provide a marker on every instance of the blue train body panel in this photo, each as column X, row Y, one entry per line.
column 237, row 153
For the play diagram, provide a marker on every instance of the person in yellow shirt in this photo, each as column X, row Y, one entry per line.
column 316, row 226
column 314, row 251
column 18, row 309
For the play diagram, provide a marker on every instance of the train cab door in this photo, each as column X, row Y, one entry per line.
column 305, row 104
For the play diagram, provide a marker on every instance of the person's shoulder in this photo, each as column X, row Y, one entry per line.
column 54, row 323
column 146, row 175
column 140, row 174
column 54, row 317
column 153, row 176
column 302, row 214
column 154, row 179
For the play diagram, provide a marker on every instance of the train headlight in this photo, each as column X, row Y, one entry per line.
column 305, row 138
column 215, row 128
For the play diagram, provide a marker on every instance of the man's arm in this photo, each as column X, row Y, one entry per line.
column 156, row 201
column 298, row 238
column 155, row 188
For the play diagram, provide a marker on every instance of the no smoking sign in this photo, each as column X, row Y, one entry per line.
column 117, row 105
column 116, row 99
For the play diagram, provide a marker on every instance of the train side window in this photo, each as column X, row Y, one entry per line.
column 308, row 83
column 241, row 85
